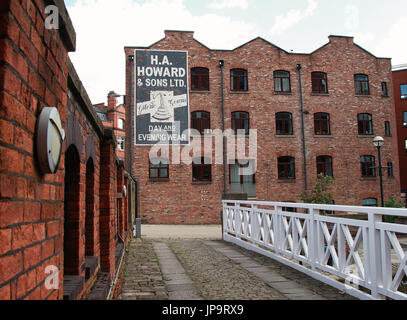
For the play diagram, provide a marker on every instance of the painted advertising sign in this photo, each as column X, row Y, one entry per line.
column 161, row 94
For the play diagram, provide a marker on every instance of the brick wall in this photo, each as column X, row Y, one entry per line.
column 33, row 74
column 50, row 220
column 179, row 200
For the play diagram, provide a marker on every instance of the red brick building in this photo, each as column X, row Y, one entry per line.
column 400, row 97
column 59, row 233
column 113, row 115
column 344, row 99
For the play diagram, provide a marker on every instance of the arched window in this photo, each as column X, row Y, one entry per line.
column 370, row 202
column 286, row 168
column 322, row 123
column 201, row 121
column 284, row 123
column 362, row 84
column 201, row 170
column 120, row 124
column 200, row 79
column 282, row 81
column 365, row 124
column 159, row 169
column 241, row 121
column 319, row 82
column 324, row 165
column 368, row 166
column 238, row 80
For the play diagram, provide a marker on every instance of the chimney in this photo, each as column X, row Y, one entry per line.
column 112, row 100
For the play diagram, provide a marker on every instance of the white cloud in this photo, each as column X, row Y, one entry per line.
column 292, row 17
column 224, row 4
column 103, row 28
column 393, row 44
column 352, row 17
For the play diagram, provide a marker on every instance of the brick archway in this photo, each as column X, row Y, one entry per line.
column 90, row 209
column 72, row 212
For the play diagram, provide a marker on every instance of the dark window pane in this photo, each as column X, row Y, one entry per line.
column 362, row 84
column 238, row 80
column 282, row 81
column 319, row 82
column 403, row 89
column 240, row 121
column 284, row 123
column 384, row 89
column 368, row 166
column 365, row 124
column 286, row 168
column 200, row 121
column 200, row 79
column 324, row 165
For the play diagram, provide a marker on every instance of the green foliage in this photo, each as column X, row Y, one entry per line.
column 393, row 202
column 320, row 194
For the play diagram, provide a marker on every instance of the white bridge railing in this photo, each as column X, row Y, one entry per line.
column 364, row 258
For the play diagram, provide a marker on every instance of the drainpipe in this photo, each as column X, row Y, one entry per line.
column 303, row 128
column 137, row 220
column 131, row 60
column 221, row 65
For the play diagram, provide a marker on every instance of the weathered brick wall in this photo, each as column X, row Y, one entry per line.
column 33, row 74
column 179, row 200
column 35, row 71
column 399, row 78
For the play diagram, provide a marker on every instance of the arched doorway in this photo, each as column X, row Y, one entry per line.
column 71, row 212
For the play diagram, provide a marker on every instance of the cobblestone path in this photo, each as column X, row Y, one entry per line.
column 162, row 269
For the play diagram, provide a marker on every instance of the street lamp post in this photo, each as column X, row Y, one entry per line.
column 378, row 142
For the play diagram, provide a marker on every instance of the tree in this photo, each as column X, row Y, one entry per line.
column 393, row 202
column 320, row 194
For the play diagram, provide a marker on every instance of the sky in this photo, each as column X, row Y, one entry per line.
column 105, row 27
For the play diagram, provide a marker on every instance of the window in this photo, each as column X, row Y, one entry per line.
column 200, row 79
column 322, row 124
column 240, row 121
column 120, row 143
column 387, row 130
column 324, row 165
column 370, row 202
column 201, row 121
column 284, row 123
column 238, row 80
column 390, row 172
column 286, row 168
column 282, row 81
column 362, row 84
column 201, row 171
column 368, row 166
column 120, row 124
column 159, row 169
column 319, row 82
column 365, row 124
column 385, row 91
column 102, row 116
column 242, row 178
column 403, row 90
column 405, row 119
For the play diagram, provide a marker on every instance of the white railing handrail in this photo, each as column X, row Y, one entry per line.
column 401, row 212
column 364, row 252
